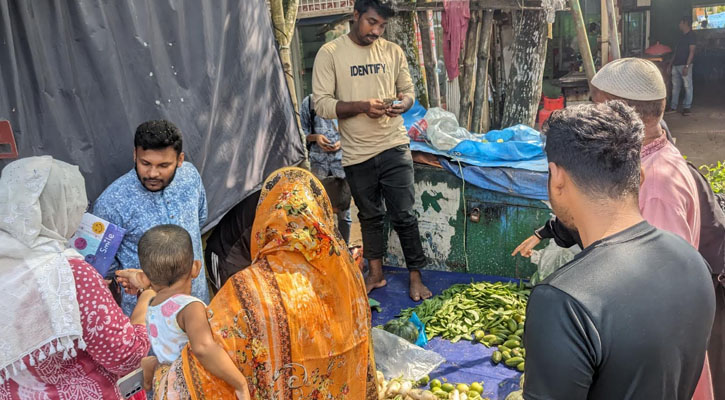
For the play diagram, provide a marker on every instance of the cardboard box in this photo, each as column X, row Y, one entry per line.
column 98, row 241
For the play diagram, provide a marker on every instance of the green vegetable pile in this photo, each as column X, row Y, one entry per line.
column 490, row 313
column 715, row 174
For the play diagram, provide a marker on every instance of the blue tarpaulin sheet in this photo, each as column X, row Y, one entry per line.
column 465, row 362
column 522, row 146
column 538, row 164
column 512, row 181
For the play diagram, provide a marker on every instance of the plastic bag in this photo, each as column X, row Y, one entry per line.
column 550, row 259
column 396, row 357
column 443, row 131
column 422, row 340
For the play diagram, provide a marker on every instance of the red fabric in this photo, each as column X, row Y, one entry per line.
column 455, row 26
column 114, row 347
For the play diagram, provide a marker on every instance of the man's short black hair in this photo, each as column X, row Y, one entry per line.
column 166, row 254
column 158, row 135
column 338, row 191
column 382, row 7
column 687, row 20
column 599, row 146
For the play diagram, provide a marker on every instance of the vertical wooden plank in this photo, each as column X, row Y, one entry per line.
column 614, row 32
column 480, row 121
column 605, row 33
column 582, row 38
column 465, row 80
column 429, row 61
column 499, row 76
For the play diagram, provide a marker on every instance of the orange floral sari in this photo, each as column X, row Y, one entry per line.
column 297, row 321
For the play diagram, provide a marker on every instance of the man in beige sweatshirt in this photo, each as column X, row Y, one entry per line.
column 363, row 81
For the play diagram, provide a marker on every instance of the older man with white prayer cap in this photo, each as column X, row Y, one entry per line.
column 668, row 197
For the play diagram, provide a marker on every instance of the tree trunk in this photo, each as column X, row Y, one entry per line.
column 527, row 68
column 480, row 122
column 465, row 79
column 401, row 30
column 434, row 97
column 283, row 21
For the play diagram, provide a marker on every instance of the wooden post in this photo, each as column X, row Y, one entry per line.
column 605, row 33
column 586, row 52
column 465, row 79
column 434, row 97
column 499, row 72
column 480, row 121
column 523, row 91
column 614, row 31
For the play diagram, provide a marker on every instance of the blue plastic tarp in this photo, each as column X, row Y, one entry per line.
column 465, row 362
column 519, row 146
column 512, row 181
column 517, row 143
column 415, row 114
column 538, row 164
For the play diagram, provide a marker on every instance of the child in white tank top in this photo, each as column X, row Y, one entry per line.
column 174, row 317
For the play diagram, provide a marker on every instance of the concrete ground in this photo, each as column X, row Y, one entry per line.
column 701, row 135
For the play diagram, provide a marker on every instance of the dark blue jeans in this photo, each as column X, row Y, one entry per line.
column 387, row 177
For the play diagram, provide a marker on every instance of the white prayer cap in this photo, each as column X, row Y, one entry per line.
column 631, row 79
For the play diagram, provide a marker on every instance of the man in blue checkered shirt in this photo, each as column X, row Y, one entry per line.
column 326, row 156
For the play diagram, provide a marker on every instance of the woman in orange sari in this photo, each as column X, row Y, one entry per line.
column 297, row 321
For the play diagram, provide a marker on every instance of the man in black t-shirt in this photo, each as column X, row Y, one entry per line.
column 682, row 67
column 630, row 316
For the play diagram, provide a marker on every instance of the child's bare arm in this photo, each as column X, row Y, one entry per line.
column 192, row 319
column 149, row 365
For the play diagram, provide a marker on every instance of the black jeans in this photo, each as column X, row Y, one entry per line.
column 387, row 176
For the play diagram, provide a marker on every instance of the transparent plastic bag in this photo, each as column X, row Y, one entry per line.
column 443, row 131
column 396, row 357
column 551, row 258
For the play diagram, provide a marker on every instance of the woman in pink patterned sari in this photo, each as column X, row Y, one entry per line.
column 62, row 336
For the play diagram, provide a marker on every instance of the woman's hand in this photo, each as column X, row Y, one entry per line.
column 130, row 279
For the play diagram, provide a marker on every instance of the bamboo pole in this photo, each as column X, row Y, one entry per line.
column 614, row 32
column 586, row 52
column 465, row 80
column 480, row 121
column 434, row 97
column 605, row 33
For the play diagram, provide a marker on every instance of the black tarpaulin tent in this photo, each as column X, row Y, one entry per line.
column 78, row 76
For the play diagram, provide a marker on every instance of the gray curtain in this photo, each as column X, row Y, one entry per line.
column 78, row 76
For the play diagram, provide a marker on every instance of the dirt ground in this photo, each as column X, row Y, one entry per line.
column 701, row 135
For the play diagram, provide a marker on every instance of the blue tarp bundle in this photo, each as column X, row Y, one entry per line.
column 516, row 182
column 466, row 362
column 516, row 165
column 522, row 147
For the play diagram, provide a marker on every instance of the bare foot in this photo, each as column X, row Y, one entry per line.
column 418, row 291
column 374, row 282
column 375, row 278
